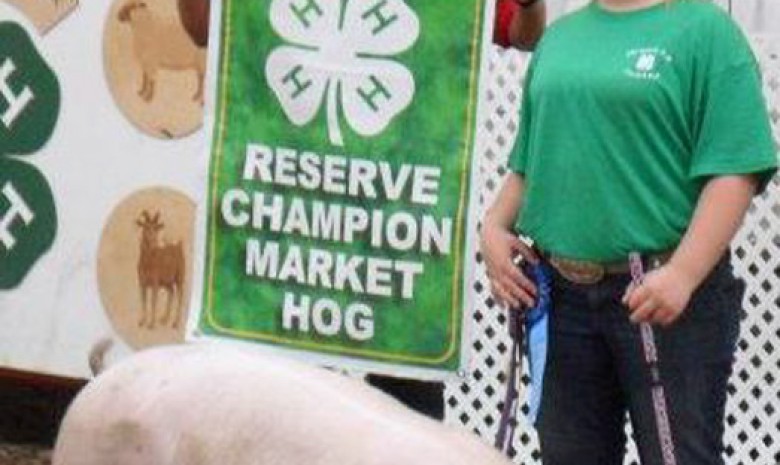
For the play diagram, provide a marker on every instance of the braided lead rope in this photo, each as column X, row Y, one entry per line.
column 528, row 330
column 508, row 421
column 651, row 358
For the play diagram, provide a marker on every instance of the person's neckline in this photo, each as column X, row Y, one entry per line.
column 627, row 13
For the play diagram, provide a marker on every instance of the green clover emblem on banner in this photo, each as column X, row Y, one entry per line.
column 29, row 107
column 29, row 94
column 340, row 52
column 28, row 220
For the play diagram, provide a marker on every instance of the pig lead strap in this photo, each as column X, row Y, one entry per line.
column 651, row 360
column 508, row 421
column 528, row 329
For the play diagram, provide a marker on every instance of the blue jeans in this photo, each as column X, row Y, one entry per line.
column 596, row 373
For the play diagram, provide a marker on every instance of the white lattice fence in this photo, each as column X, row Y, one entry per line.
column 753, row 414
column 753, row 418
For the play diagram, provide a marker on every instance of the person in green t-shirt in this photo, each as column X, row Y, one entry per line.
column 643, row 129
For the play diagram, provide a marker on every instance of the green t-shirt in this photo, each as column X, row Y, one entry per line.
column 625, row 116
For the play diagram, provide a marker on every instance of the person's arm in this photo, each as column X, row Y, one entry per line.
column 719, row 212
column 528, row 24
column 499, row 245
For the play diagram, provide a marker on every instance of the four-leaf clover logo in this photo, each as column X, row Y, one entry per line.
column 340, row 51
column 29, row 109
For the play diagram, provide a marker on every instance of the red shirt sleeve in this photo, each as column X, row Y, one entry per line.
column 505, row 11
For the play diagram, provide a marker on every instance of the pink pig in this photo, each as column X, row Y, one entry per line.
column 207, row 404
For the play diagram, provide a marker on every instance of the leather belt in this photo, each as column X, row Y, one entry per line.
column 590, row 272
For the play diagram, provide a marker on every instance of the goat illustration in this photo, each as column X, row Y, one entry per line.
column 159, row 266
column 160, row 43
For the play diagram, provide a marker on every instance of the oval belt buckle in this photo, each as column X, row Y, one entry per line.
column 578, row 271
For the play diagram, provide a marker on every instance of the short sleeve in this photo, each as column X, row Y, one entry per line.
column 518, row 157
column 733, row 133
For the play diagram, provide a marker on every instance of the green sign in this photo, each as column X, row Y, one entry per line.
column 29, row 107
column 339, row 177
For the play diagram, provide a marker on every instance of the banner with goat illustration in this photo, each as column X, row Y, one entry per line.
column 97, row 178
column 336, row 220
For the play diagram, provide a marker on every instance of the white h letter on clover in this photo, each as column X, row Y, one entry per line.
column 340, row 51
column 19, row 209
column 16, row 103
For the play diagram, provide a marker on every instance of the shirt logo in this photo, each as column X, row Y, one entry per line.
column 646, row 63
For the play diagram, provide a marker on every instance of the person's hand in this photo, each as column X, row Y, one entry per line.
column 509, row 285
column 661, row 297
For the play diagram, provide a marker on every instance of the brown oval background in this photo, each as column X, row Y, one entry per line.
column 44, row 14
column 118, row 262
column 152, row 32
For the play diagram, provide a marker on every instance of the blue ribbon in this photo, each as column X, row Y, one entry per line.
column 529, row 326
column 536, row 329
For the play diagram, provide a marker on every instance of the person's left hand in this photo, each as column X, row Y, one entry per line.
column 661, row 298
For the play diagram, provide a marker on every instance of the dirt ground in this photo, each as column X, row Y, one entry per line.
column 30, row 414
column 12, row 454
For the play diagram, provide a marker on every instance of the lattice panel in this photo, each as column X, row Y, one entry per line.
column 753, row 418
column 475, row 402
column 753, row 412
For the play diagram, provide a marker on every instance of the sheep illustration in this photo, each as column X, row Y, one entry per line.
column 161, row 43
column 159, row 266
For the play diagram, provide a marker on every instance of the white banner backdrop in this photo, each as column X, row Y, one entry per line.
column 105, row 164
